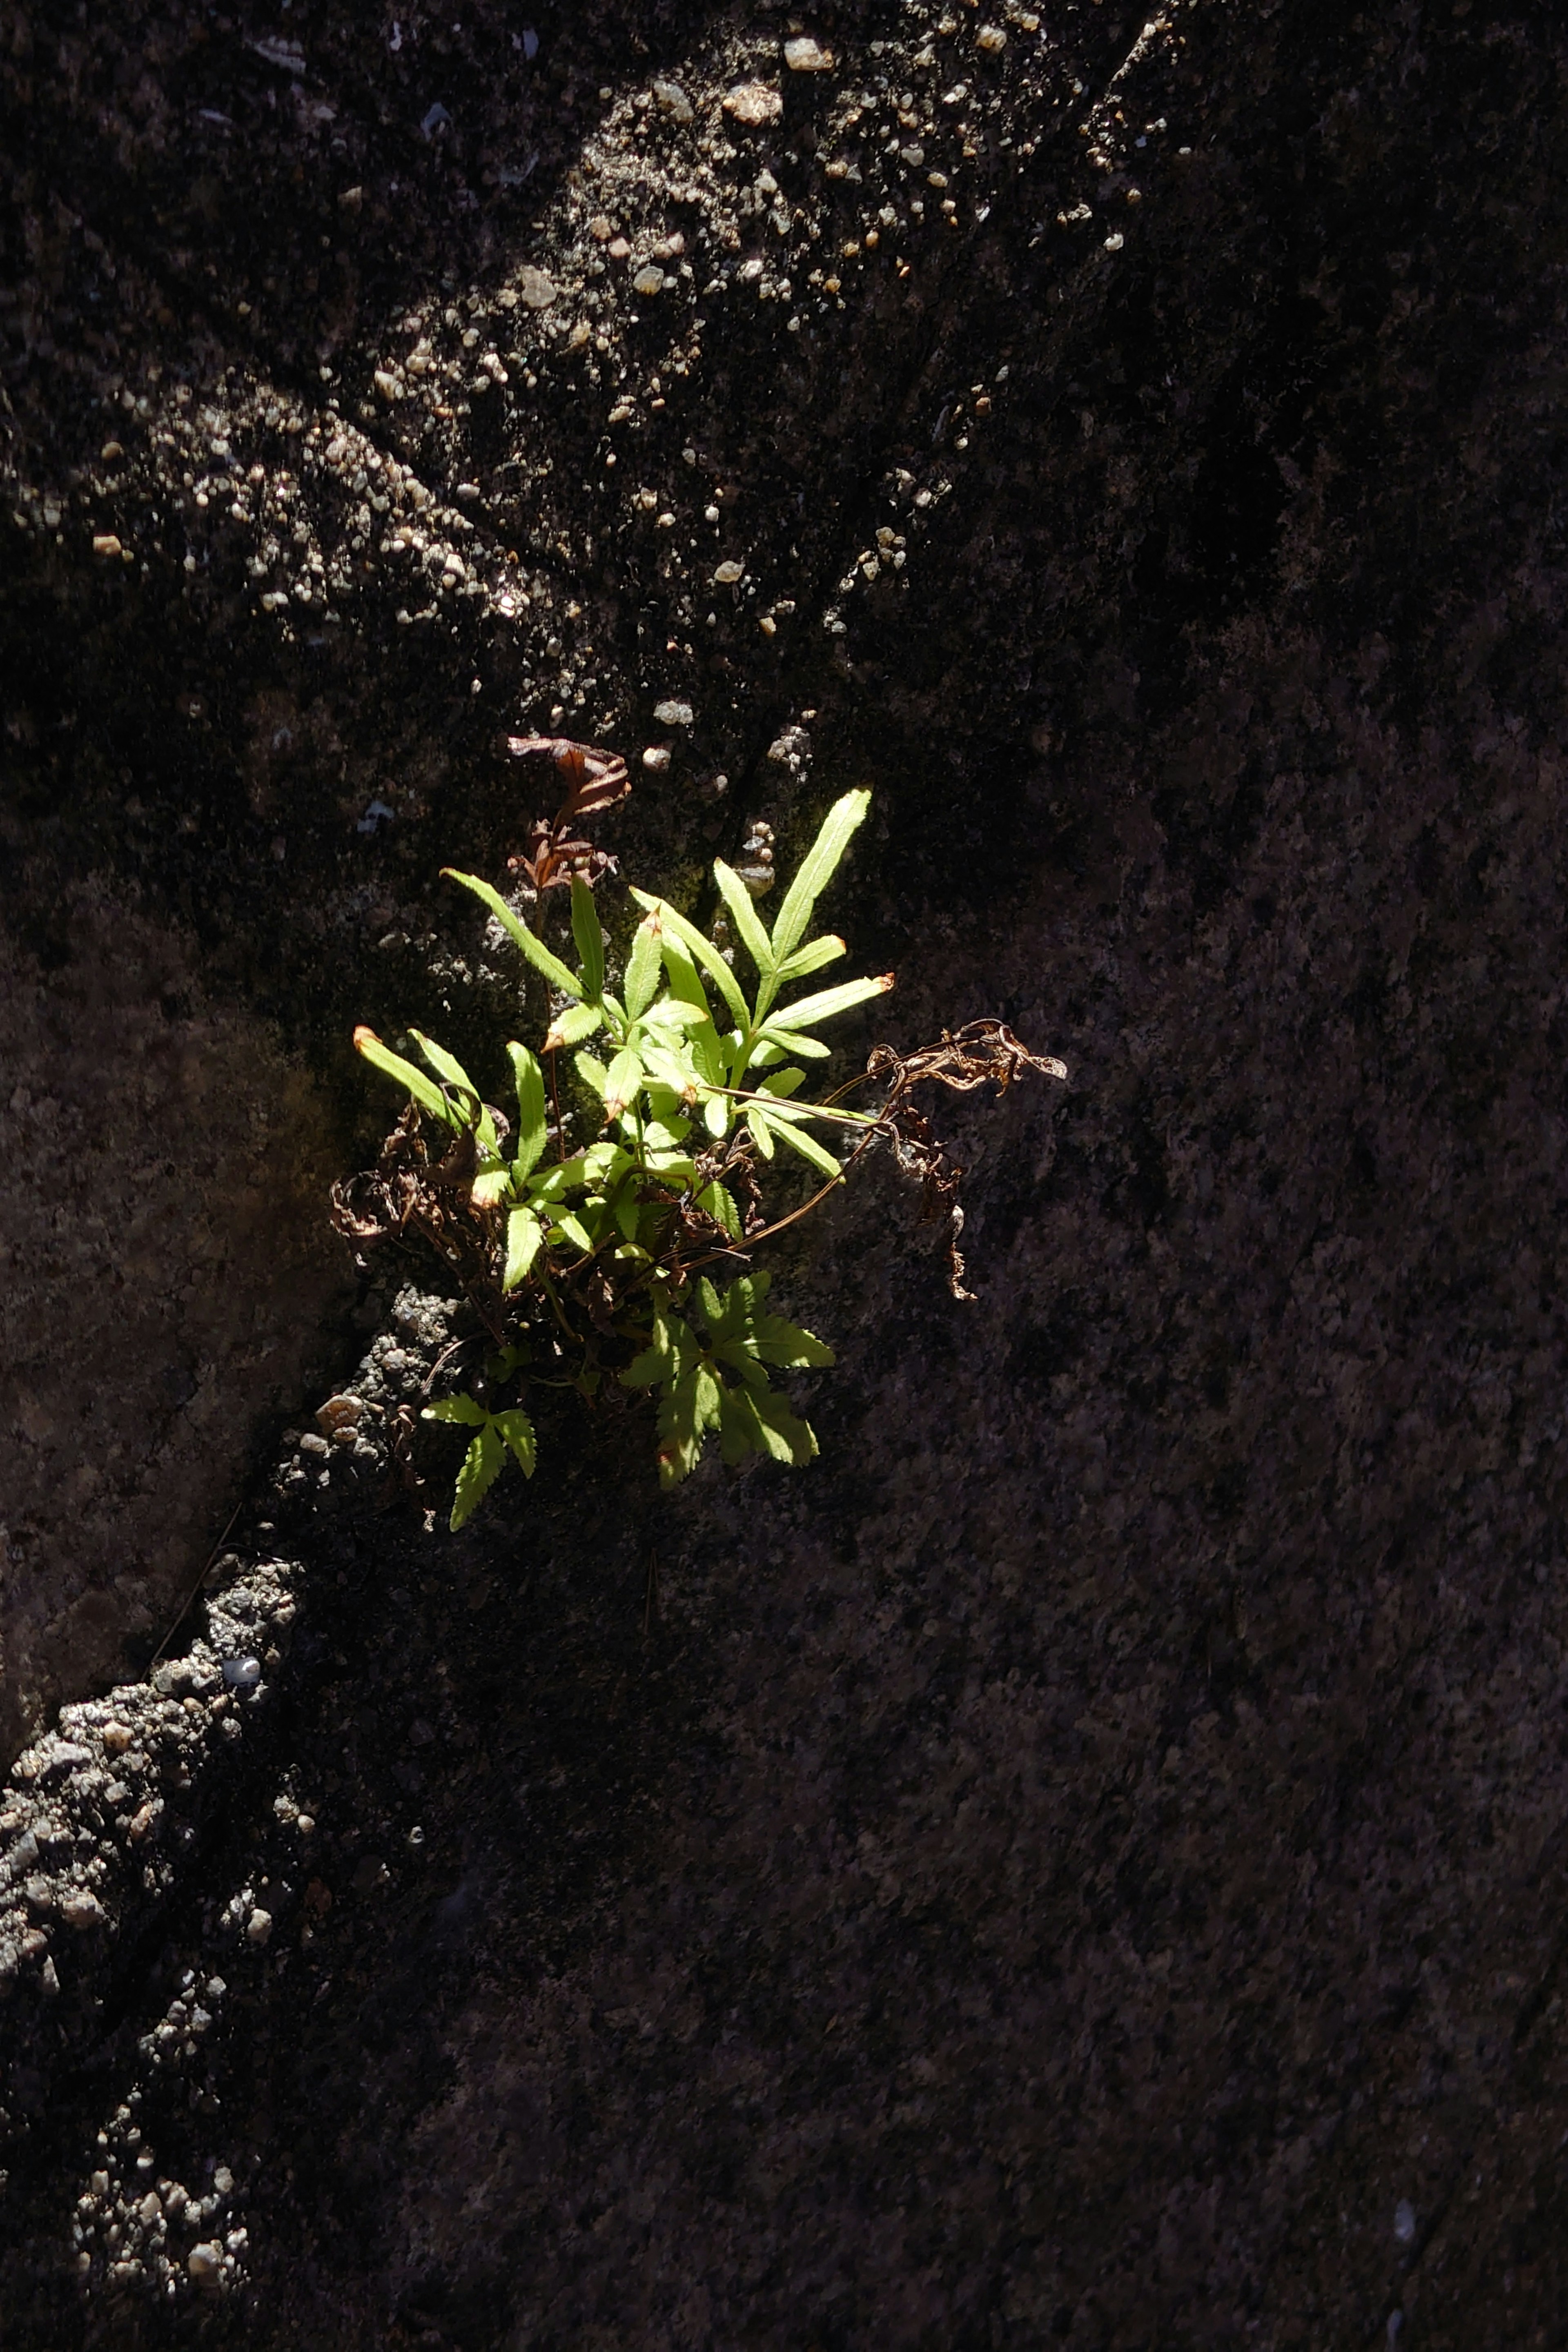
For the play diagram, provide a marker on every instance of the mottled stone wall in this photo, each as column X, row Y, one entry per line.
column 1082, row 1864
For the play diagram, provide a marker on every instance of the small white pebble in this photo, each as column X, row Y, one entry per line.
column 991, row 38
column 655, row 759
column 726, row 576
column 804, row 55
column 258, row 1927
column 753, row 102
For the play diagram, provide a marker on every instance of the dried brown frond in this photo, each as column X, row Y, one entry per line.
column 595, row 781
column 963, row 1061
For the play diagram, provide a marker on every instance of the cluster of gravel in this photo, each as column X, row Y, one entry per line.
column 481, row 461
column 107, row 1832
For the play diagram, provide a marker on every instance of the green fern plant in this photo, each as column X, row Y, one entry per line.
column 590, row 1268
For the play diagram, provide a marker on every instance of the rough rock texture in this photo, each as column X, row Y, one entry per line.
column 167, row 1273
column 1084, row 1864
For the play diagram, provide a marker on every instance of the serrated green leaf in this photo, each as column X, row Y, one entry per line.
column 697, row 946
column 591, row 1072
column 482, row 1465
column 762, row 1134
column 524, row 1235
column 811, row 957
column 476, row 1113
column 589, row 934
column 566, row 1176
column 624, row 1078
column 446, row 1065
column 780, row 1433
column 642, row 966
column 720, row 1203
column 490, row 1187
column 809, row 1010
column 529, row 1111
column 570, row 1028
column 672, row 1014
column 746, row 919
column 735, row 1430
column 516, row 1432
column 425, row 1090
column 574, row 1230
column 818, row 869
column 603, row 1161
column 778, row 1342
column 789, row 1041
column 802, row 1141
column 538, row 954
column 459, row 1408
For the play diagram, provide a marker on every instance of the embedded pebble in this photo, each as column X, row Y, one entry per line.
column 535, row 288
column 673, row 714
column 242, row 1673
column 82, row 1910
column 105, row 543
column 804, row 55
column 655, row 759
column 674, row 100
column 648, row 280
column 753, row 102
column 205, row 2261
column 259, row 1926
column 728, row 573
column 991, row 38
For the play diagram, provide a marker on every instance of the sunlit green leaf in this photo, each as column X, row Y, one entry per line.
column 573, row 1229
column 570, row 1028
column 588, row 932
column 801, row 1140
column 446, row 1066
column 809, row 1010
column 482, row 1465
column 459, row 1408
column 791, row 1041
column 534, row 949
column 785, row 1435
column 818, row 869
column 643, row 965
column 530, row 1110
column 524, row 1235
column 621, row 1086
column 554, row 1184
column 720, row 1203
column 591, row 1072
column 811, row 957
column 778, row 1342
column 747, row 921
column 490, row 1188
column 703, row 949
column 474, row 1111
column 425, row 1090
column 517, row 1432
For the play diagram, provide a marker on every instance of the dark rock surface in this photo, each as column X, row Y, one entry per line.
column 1085, row 1862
